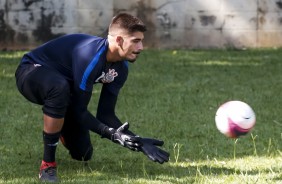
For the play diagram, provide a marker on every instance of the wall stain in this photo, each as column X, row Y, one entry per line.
column 60, row 19
column 16, row 21
column 22, row 37
column 31, row 17
column 262, row 20
column 27, row 3
column 6, row 32
column 145, row 12
column 207, row 20
column 280, row 20
column 165, row 22
column 260, row 10
column 279, row 4
column 43, row 31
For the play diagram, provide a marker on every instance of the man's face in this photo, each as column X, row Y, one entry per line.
column 131, row 46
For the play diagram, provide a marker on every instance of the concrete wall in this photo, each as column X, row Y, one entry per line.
column 172, row 23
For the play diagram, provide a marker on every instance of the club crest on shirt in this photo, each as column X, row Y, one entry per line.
column 107, row 77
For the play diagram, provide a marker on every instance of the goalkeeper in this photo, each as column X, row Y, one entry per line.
column 60, row 75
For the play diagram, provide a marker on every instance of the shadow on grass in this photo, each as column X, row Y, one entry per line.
column 155, row 173
column 130, row 170
column 144, row 170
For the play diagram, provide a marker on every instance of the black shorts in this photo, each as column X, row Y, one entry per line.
column 43, row 86
column 46, row 87
column 76, row 138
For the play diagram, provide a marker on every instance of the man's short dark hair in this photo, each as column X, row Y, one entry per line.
column 128, row 22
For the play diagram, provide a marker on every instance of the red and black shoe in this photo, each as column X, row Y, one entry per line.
column 48, row 172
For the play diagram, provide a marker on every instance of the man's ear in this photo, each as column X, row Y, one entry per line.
column 119, row 40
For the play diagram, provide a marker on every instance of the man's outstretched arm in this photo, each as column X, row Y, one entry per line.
column 106, row 109
column 82, row 115
column 106, row 114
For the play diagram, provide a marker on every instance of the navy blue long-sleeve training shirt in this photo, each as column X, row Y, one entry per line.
column 81, row 59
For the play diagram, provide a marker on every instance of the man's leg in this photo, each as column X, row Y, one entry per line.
column 76, row 138
column 52, row 125
column 43, row 86
column 51, row 133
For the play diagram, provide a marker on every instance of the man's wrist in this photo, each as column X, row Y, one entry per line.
column 107, row 132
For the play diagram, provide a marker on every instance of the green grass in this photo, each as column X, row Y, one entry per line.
column 171, row 95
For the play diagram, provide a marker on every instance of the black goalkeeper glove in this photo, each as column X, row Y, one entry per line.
column 150, row 149
column 129, row 141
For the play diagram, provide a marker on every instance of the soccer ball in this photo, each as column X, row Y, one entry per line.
column 235, row 118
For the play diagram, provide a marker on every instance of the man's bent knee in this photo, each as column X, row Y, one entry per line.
column 84, row 155
column 58, row 99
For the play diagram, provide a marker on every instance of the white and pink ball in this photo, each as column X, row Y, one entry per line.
column 235, row 118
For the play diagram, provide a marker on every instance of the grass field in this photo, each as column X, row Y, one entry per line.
column 171, row 95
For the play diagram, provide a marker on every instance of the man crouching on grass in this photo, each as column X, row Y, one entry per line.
column 60, row 75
